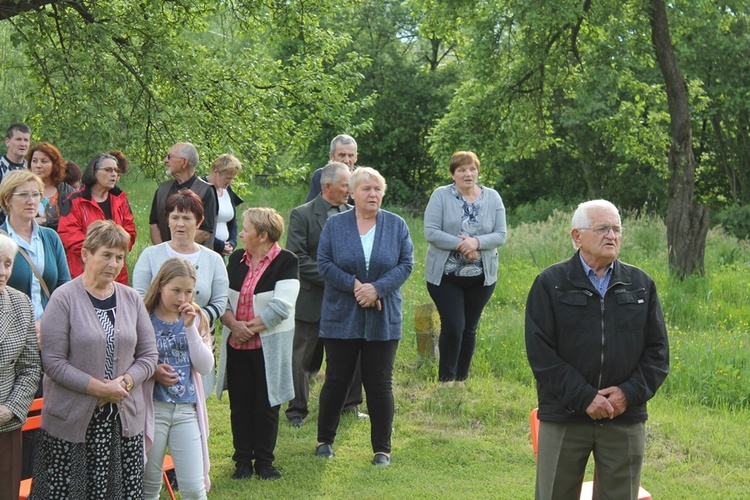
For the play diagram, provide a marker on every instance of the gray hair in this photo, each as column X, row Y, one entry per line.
column 189, row 152
column 330, row 172
column 8, row 246
column 581, row 217
column 89, row 175
column 344, row 140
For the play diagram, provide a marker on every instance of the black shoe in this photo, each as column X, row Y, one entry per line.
column 381, row 459
column 296, row 421
column 267, row 472
column 244, row 471
column 324, row 450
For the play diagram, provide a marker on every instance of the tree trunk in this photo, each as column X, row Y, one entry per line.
column 11, row 8
column 687, row 222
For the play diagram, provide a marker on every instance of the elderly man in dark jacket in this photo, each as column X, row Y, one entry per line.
column 597, row 344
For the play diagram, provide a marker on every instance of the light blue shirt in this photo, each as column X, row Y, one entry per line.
column 367, row 242
column 602, row 284
column 35, row 250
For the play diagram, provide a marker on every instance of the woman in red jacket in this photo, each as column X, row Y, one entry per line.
column 98, row 199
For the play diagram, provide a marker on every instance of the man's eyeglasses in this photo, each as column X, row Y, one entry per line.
column 36, row 195
column 109, row 170
column 603, row 230
column 170, row 156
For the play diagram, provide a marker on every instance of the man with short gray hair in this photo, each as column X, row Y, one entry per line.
column 305, row 225
column 343, row 149
column 597, row 344
column 181, row 162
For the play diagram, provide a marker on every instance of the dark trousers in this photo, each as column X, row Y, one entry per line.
column 307, row 358
column 564, row 450
column 459, row 301
column 10, row 463
column 376, row 359
column 255, row 424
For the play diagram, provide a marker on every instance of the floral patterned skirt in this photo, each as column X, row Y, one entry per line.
column 106, row 466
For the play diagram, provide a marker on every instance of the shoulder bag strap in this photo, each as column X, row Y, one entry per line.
column 33, row 267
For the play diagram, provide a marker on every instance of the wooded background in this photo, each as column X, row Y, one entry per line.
column 636, row 101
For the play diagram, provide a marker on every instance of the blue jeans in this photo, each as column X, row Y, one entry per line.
column 176, row 427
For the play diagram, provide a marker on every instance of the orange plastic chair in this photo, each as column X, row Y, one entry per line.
column 588, row 486
column 33, row 422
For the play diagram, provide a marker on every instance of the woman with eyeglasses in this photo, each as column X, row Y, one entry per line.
column 45, row 160
column 464, row 223
column 20, row 194
column 99, row 199
column 39, row 266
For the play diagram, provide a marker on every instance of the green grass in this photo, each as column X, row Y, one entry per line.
column 474, row 442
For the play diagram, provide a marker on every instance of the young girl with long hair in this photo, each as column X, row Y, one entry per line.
column 175, row 393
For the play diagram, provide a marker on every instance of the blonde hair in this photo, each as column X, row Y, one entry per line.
column 265, row 220
column 176, row 267
column 226, row 163
column 12, row 180
column 359, row 175
column 106, row 234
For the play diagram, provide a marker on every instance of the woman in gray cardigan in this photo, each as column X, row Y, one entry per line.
column 98, row 347
column 464, row 223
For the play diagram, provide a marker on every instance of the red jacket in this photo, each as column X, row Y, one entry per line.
column 79, row 212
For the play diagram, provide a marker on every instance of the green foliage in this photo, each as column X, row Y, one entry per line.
column 140, row 76
column 697, row 428
column 736, row 220
column 409, row 95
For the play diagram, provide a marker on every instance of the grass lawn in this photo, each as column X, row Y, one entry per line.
column 473, row 442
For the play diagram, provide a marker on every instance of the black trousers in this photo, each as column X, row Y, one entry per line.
column 255, row 423
column 307, row 358
column 376, row 360
column 459, row 301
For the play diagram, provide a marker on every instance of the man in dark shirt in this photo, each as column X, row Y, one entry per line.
column 181, row 162
column 17, row 140
column 305, row 225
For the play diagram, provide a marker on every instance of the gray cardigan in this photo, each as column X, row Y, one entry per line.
column 442, row 224
column 73, row 352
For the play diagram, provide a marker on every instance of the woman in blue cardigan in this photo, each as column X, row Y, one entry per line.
column 364, row 257
column 464, row 223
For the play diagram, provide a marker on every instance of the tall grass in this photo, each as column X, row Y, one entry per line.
column 473, row 443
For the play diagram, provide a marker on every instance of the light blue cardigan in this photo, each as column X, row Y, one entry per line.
column 341, row 259
column 442, row 224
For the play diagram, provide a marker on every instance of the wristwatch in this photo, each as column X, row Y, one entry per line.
column 128, row 385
